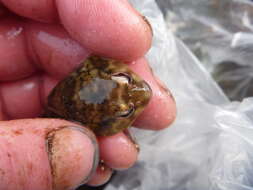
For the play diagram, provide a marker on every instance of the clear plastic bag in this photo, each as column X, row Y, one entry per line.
column 220, row 33
column 210, row 146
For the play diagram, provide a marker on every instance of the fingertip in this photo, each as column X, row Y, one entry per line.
column 47, row 152
column 39, row 10
column 21, row 99
column 73, row 157
column 47, row 85
column 3, row 10
column 53, row 50
column 170, row 111
column 161, row 110
column 102, row 175
column 156, row 118
column 118, row 151
column 15, row 63
column 110, row 28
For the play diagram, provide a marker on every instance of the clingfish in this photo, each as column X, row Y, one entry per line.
column 102, row 94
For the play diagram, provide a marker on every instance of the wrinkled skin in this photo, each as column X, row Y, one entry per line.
column 42, row 49
column 103, row 94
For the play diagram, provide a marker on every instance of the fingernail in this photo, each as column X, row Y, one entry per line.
column 132, row 139
column 162, row 85
column 148, row 23
column 102, row 166
column 73, row 156
column 164, row 88
column 102, row 176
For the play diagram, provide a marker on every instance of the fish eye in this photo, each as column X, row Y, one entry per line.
column 126, row 113
column 122, row 78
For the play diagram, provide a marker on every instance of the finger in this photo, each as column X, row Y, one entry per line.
column 102, row 175
column 21, row 99
column 15, row 62
column 2, row 11
column 25, row 51
column 42, row 10
column 52, row 49
column 33, row 91
column 45, row 154
column 3, row 116
column 118, row 151
column 161, row 110
column 111, row 28
column 48, row 83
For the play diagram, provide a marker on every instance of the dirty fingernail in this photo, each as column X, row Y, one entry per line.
column 73, row 156
column 132, row 139
column 148, row 23
column 161, row 84
column 164, row 88
column 102, row 176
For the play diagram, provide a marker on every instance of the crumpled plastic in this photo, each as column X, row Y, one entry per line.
column 210, row 145
column 220, row 33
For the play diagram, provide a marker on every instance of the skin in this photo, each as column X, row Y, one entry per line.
column 36, row 52
column 103, row 94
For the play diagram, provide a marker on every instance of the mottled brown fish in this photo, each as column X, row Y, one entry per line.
column 103, row 94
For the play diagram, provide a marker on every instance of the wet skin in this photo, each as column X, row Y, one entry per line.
column 103, row 94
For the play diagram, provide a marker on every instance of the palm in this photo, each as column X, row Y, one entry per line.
column 36, row 51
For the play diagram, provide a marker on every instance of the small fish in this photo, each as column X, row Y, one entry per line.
column 102, row 94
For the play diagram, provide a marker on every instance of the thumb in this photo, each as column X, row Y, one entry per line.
column 110, row 28
column 45, row 154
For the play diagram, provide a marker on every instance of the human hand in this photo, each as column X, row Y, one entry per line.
column 36, row 52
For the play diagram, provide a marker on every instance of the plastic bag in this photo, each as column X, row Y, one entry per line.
column 210, row 146
column 220, row 33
